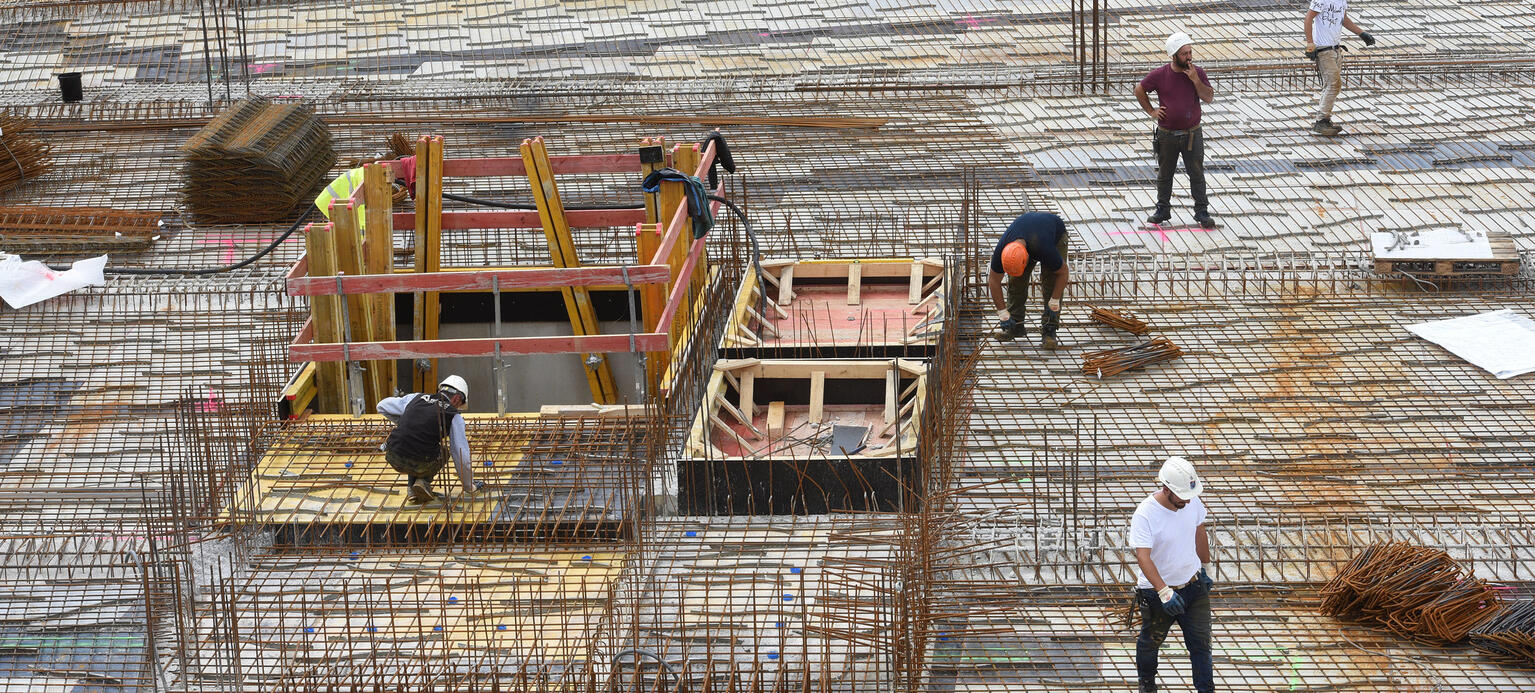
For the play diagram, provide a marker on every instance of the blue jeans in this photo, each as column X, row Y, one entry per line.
column 1195, row 623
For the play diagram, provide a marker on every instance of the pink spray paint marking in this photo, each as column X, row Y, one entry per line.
column 264, row 67
column 971, row 21
column 212, row 403
column 1162, row 231
column 232, row 243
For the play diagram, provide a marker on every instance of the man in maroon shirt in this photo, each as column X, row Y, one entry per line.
column 1180, row 86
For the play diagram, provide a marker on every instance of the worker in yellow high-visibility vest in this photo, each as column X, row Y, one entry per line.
column 345, row 185
column 342, row 188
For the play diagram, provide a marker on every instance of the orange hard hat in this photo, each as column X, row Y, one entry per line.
column 1015, row 257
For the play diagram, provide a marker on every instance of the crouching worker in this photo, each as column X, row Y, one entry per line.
column 422, row 424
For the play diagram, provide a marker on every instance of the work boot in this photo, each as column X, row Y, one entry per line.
column 1325, row 127
column 1160, row 215
column 1047, row 328
column 1147, row 688
column 1205, row 220
column 421, row 492
column 1010, row 329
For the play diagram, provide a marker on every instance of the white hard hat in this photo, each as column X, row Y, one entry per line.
column 1178, row 474
column 457, row 384
column 1176, row 42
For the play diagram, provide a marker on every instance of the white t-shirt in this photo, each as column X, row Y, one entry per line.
column 1328, row 23
column 1170, row 536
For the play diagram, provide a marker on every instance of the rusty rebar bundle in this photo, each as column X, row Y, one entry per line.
column 22, row 158
column 255, row 162
column 1510, row 634
column 1127, row 323
column 76, row 229
column 1115, row 361
column 1414, row 591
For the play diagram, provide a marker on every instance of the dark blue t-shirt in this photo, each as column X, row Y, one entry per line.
column 1040, row 232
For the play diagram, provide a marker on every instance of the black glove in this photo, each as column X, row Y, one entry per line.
column 1174, row 606
column 1204, row 579
column 1311, row 55
column 1367, row 38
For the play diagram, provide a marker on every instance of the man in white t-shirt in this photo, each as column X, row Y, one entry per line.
column 1325, row 21
column 1172, row 585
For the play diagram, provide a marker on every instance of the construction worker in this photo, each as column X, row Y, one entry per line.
column 348, row 183
column 1032, row 238
column 422, row 423
column 342, row 188
column 1325, row 21
column 1180, row 86
column 1172, row 585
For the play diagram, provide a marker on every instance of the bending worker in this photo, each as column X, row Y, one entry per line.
column 422, row 423
column 1172, row 585
column 1033, row 238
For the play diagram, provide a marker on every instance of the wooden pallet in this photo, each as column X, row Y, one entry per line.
column 1504, row 261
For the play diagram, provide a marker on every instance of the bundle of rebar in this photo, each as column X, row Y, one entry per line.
column 1113, row 319
column 1508, row 635
column 22, row 158
column 1115, row 361
column 76, row 229
column 255, row 162
column 1414, row 591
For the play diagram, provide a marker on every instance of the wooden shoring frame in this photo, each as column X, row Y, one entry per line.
column 660, row 280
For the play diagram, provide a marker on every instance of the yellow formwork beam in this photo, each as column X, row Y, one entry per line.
column 562, row 252
column 378, row 258
column 325, row 312
column 427, row 311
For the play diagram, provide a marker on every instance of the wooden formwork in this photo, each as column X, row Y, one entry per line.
column 765, row 439
column 839, row 307
column 349, row 276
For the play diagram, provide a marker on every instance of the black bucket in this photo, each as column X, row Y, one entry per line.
column 70, row 88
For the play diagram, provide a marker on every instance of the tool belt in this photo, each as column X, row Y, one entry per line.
column 1189, row 134
column 1323, row 49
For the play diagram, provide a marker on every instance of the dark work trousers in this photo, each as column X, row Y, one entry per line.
column 1168, row 145
column 1195, row 623
column 1018, row 287
column 415, row 469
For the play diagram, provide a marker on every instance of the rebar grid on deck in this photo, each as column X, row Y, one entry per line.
column 93, row 382
column 231, row 48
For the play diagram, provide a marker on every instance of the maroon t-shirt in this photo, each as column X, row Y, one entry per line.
column 1176, row 94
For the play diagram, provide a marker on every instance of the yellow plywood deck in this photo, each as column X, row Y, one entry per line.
column 295, row 485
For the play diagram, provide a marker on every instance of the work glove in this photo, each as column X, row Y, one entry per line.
column 1311, row 55
column 1367, row 38
column 1204, row 578
column 1172, row 602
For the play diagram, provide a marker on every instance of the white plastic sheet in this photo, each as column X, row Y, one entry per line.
column 1501, row 342
column 25, row 282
